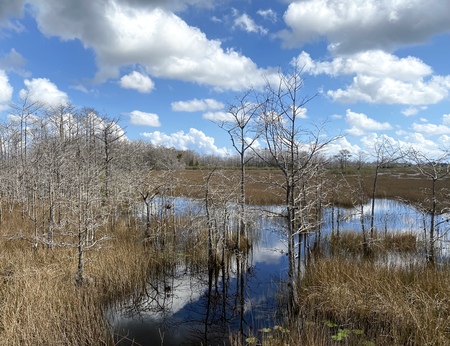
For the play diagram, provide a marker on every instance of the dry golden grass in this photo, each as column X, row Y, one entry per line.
column 351, row 243
column 40, row 303
column 401, row 184
column 262, row 186
column 260, row 189
column 386, row 305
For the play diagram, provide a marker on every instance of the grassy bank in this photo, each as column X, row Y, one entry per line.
column 362, row 302
column 393, row 298
column 40, row 303
column 262, row 187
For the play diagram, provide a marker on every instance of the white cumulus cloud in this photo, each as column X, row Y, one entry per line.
column 360, row 124
column 123, row 34
column 196, row 105
column 380, row 77
column 137, row 81
column 431, row 129
column 218, row 116
column 244, row 22
column 6, row 90
column 446, row 119
column 143, row 118
column 44, row 91
column 194, row 140
column 358, row 25
column 341, row 143
column 407, row 112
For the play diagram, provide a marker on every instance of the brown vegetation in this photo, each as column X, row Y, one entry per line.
column 387, row 304
column 40, row 303
column 401, row 183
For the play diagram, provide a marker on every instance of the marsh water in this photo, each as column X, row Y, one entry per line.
column 194, row 305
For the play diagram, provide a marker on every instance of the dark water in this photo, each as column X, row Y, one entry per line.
column 193, row 306
column 201, row 306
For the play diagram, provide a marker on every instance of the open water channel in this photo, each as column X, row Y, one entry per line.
column 201, row 306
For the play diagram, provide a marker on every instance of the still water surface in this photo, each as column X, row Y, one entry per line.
column 197, row 306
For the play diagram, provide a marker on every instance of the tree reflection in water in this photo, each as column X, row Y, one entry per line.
column 194, row 306
column 237, row 294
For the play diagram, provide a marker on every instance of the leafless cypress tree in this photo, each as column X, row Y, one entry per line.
column 243, row 134
column 23, row 116
column 434, row 169
column 385, row 153
column 293, row 147
column 109, row 134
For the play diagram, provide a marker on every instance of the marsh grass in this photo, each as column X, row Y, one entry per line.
column 390, row 305
column 401, row 183
column 40, row 303
column 396, row 305
column 259, row 186
column 347, row 299
column 351, row 243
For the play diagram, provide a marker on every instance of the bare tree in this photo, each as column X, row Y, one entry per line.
column 293, row 149
column 343, row 157
column 23, row 116
column 217, row 197
column 386, row 153
column 243, row 135
column 434, row 169
column 108, row 133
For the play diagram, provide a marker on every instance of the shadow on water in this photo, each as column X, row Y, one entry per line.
column 204, row 304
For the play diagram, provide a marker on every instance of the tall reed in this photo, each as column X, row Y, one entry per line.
column 40, row 304
column 385, row 304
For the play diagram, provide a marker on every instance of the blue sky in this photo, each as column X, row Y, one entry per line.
column 168, row 68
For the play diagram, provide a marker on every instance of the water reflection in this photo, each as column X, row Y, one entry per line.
column 187, row 305
column 193, row 306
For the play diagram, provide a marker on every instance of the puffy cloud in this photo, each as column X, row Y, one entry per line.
column 407, row 112
column 137, row 81
column 390, row 91
column 268, row 14
column 13, row 61
column 10, row 8
column 302, row 113
column 341, row 143
column 247, row 24
column 6, row 90
column 381, row 78
column 123, row 34
column 431, row 129
column 193, row 140
column 142, row 118
column 414, row 140
column 361, row 123
column 375, row 63
column 446, row 119
column 196, row 105
column 372, row 141
column 43, row 90
column 419, row 142
column 381, row 24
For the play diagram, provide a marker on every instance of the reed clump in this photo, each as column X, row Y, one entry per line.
column 359, row 302
column 351, row 243
column 40, row 303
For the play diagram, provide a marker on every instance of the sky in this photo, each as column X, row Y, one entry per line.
column 170, row 69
